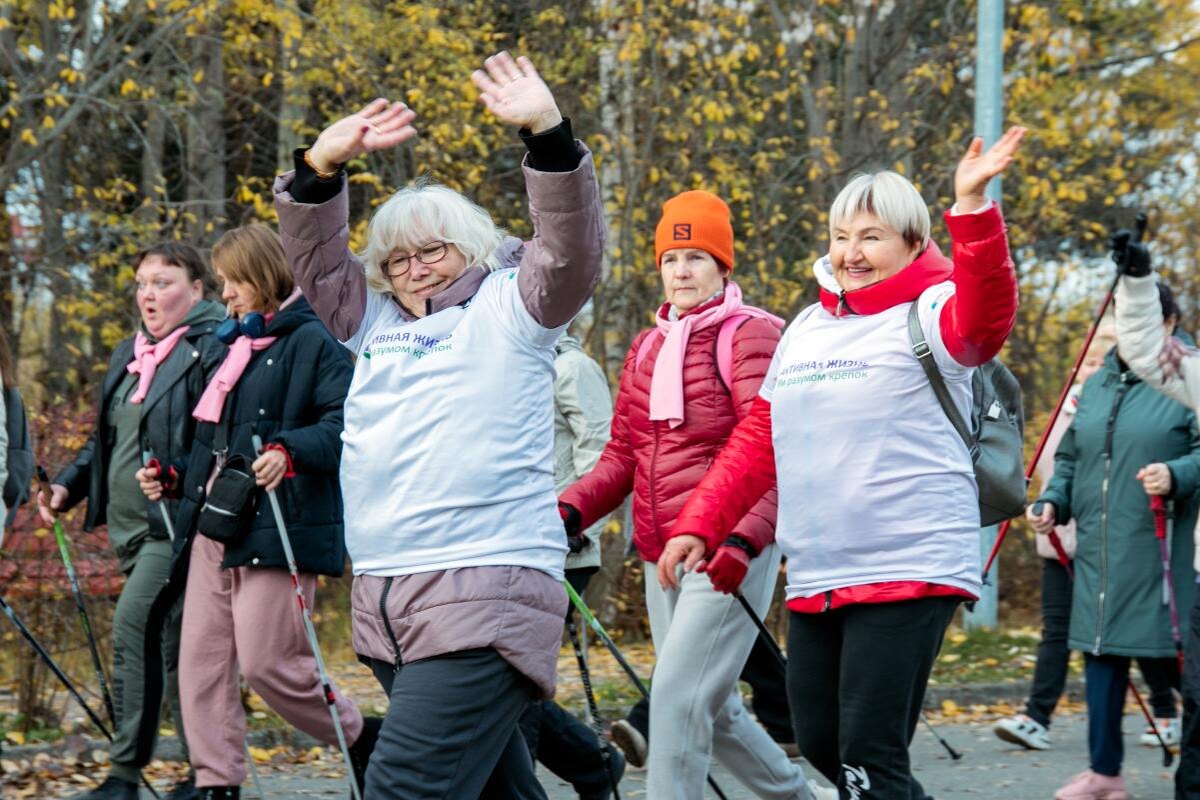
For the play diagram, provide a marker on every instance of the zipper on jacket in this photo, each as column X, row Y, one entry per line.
column 828, row 600
column 387, row 623
column 653, row 482
column 1109, row 432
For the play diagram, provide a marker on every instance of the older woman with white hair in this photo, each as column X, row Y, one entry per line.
column 878, row 504
column 447, row 467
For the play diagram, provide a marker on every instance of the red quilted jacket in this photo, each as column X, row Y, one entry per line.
column 661, row 465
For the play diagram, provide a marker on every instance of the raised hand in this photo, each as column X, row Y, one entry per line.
column 515, row 93
column 378, row 126
column 977, row 168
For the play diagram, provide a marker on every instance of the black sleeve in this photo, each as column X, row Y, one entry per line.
column 307, row 188
column 553, row 150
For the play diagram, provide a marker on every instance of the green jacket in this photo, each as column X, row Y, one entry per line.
column 1117, row 607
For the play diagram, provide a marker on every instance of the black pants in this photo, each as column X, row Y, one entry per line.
column 768, row 696
column 1187, row 777
column 856, row 682
column 451, row 731
column 1050, row 673
column 558, row 739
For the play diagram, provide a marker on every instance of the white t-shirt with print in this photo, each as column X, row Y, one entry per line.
column 875, row 484
column 448, row 447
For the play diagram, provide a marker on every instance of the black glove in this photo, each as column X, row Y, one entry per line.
column 572, row 520
column 1131, row 257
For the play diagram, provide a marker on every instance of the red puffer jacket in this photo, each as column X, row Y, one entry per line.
column 661, row 465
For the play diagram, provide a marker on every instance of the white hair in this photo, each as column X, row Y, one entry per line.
column 891, row 198
column 428, row 212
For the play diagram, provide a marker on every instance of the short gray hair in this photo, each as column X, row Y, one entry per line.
column 890, row 197
column 425, row 212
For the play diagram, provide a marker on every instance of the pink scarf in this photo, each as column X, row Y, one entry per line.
column 146, row 358
column 231, row 369
column 666, row 387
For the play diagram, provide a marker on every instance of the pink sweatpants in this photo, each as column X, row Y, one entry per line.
column 249, row 617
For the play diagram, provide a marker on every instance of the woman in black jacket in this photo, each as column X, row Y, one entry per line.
column 153, row 381
column 284, row 379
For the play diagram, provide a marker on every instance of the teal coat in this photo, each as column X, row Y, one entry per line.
column 1117, row 607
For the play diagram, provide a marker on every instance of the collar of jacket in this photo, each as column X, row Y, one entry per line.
column 664, row 310
column 1116, row 369
column 464, row 287
column 928, row 269
column 288, row 319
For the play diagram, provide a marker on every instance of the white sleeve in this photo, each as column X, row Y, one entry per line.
column 1140, row 340
column 502, row 291
column 376, row 305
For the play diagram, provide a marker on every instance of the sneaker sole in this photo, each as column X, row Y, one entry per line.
column 1013, row 738
column 635, row 752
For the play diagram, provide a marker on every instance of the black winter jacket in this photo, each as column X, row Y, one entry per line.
column 291, row 393
column 167, row 426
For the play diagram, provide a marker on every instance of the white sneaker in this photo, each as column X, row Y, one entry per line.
column 1170, row 730
column 822, row 792
column 1023, row 730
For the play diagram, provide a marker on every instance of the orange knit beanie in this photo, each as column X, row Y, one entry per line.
column 695, row 219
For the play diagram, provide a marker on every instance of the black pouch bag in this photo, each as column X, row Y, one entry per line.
column 228, row 509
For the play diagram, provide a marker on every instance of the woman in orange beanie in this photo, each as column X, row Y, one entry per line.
column 686, row 383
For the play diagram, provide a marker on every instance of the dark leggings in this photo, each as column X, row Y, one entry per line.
column 856, row 682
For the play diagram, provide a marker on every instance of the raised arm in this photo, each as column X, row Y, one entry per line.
column 561, row 265
column 314, row 212
column 979, row 316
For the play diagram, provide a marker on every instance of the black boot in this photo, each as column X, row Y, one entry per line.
column 184, row 790
column 113, row 788
column 221, row 793
column 360, row 751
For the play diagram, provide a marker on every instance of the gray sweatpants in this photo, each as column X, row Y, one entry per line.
column 145, row 658
column 701, row 641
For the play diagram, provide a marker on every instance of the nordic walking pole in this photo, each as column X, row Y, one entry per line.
column 1168, row 756
column 64, row 550
column 57, row 670
column 309, row 630
column 1062, row 399
column 148, row 460
column 593, row 708
column 777, row 651
column 603, row 636
column 254, row 772
column 1159, row 506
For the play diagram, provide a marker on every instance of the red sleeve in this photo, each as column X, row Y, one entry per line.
column 979, row 316
column 742, row 474
column 611, row 480
column 753, row 348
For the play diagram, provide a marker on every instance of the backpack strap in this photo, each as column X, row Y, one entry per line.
column 924, row 354
column 723, row 349
column 644, row 346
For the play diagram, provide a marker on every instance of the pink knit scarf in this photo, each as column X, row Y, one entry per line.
column 147, row 356
column 666, row 386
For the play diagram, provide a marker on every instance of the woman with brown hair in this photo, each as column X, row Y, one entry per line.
column 284, row 379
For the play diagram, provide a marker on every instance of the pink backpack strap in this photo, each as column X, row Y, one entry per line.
column 644, row 347
column 724, row 355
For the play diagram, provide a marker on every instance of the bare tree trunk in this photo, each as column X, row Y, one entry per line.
column 206, row 156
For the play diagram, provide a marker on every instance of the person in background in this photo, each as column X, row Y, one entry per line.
column 1172, row 367
column 582, row 415
column 1031, row 729
column 680, row 397
column 154, row 379
column 1127, row 444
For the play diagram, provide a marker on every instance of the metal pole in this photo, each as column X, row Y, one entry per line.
column 989, row 121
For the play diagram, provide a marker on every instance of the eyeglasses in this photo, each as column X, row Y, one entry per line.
column 398, row 266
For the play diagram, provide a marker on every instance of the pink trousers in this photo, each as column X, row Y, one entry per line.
column 246, row 617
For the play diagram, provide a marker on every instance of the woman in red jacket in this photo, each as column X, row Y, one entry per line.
column 674, row 410
column 878, row 504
